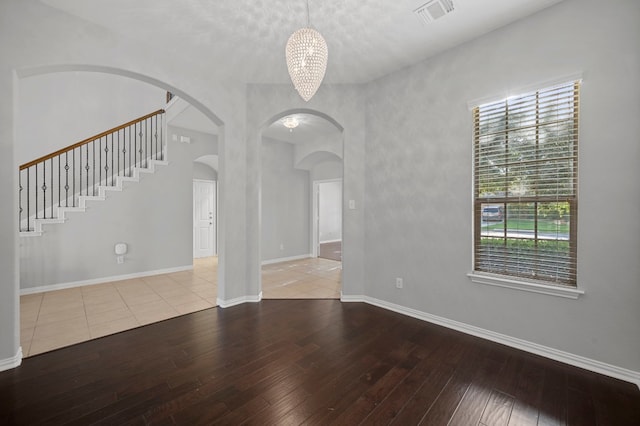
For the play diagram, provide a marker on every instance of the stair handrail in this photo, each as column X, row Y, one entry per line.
column 86, row 166
column 89, row 140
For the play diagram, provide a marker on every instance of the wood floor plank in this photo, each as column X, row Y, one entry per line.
column 305, row 361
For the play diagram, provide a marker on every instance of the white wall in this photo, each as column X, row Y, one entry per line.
column 285, row 203
column 57, row 110
column 419, row 181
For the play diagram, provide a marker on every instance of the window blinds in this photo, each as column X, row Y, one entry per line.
column 525, row 185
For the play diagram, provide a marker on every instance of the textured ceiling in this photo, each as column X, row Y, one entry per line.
column 245, row 39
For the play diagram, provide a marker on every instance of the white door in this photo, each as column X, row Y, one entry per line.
column 204, row 218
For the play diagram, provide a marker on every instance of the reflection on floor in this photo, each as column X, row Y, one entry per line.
column 313, row 278
column 60, row 318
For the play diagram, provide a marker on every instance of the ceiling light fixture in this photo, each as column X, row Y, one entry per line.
column 290, row 122
column 306, row 55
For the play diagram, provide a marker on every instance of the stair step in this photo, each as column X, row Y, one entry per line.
column 30, row 233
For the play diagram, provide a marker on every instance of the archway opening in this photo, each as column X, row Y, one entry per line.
column 300, row 151
column 110, row 292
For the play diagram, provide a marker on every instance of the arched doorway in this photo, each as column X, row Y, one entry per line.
column 298, row 150
column 128, row 298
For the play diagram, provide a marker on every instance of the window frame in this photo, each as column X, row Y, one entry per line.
column 562, row 288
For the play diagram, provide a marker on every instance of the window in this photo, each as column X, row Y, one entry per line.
column 525, row 185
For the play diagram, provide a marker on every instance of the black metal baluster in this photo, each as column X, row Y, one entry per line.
column 135, row 145
column 113, row 183
column 106, row 160
column 118, row 152
column 93, row 146
column 36, row 191
column 20, row 200
column 162, row 143
column 66, row 178
column 149, row 141
column 141, row 143
column 86, row 167
column 124, row 152
column 59, row 184
column 79, row 172
column 130, row 165
column 100, row 160
column 73, row 176
column 28, row 194
column 155, row 135
column 52, row 188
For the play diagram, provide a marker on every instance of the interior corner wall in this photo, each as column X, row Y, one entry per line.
column 285, row 203
column 419, row 180
column 153, row 216
column 9, row 314
column 59, row 109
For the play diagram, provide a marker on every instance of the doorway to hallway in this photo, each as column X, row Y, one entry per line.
column 327, row 221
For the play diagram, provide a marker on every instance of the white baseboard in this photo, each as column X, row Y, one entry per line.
column 239, row 301
column 13, row 362
column 330, row 241
column 53, row 287
column 286, row 259
column 545, row 351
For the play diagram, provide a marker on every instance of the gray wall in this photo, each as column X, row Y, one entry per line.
column 285, row 203
column 330, row 211
column 327, row 170
column 57, row 110
column 419, row 181
column 204, row 172
column 153, row 216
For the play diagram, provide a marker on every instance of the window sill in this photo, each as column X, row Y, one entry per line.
column 551, row 290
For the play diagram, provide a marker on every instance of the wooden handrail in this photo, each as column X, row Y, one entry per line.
column 89, row 140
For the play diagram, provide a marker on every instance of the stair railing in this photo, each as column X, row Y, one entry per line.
column 57, row 180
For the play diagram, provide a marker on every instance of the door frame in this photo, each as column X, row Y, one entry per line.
column 315, row 217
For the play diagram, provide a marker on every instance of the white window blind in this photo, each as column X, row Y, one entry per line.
column 525, row 185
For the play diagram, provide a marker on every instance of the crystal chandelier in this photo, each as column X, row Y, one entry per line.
column 307, row 55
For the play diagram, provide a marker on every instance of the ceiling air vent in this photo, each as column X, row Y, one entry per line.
column 434, row 9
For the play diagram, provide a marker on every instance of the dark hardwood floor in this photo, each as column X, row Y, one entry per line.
column 282, row 362
column 332, row 251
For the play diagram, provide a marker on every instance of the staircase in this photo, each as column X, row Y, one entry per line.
column 65, row 181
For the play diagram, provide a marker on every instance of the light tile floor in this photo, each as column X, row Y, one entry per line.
column 60, row 318
column 313, row 278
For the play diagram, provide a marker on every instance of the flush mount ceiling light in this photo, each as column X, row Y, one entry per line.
column 307, row 55
column 290, row 122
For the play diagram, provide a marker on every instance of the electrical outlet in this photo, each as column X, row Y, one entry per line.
column 120, row 260
column 399, row 283
column 281, row 246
